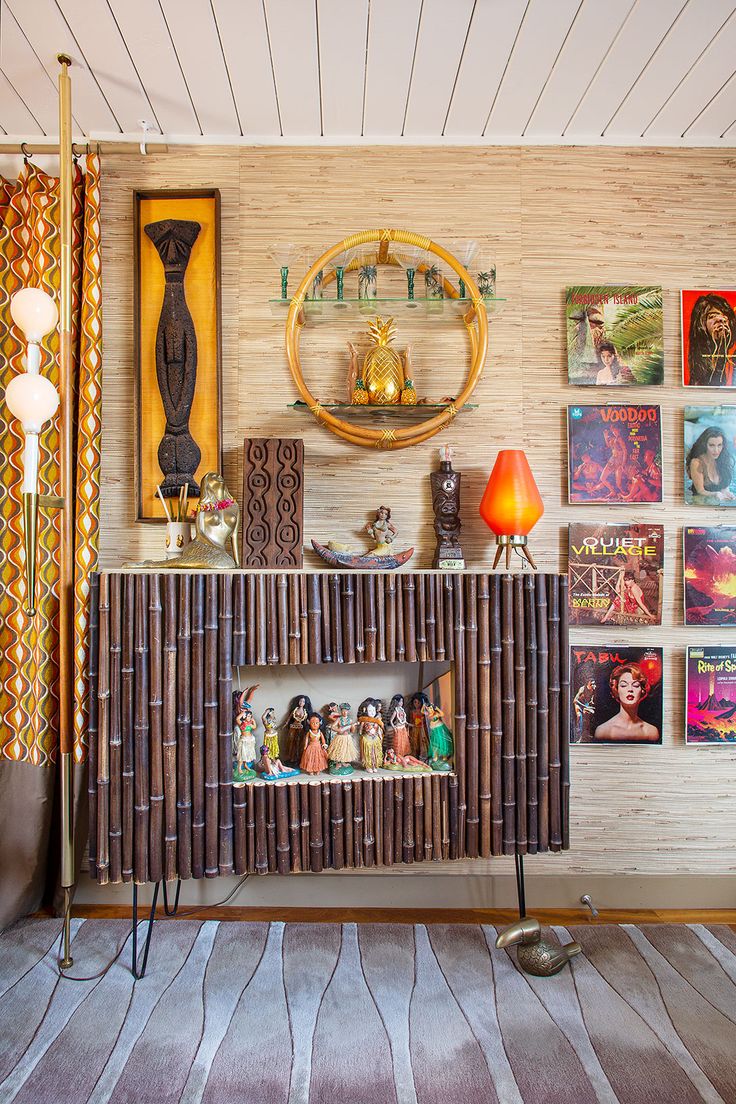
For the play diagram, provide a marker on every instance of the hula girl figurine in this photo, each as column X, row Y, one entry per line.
column 398, row 724
column 244, row 735
column 300, row 709
column 314, row 757
column 270, row 732
column 392, row 761
column 441, row 745
column 269, row 768
column 370, row 726
column 332, row 720
column 342, row 750
column 418, row 725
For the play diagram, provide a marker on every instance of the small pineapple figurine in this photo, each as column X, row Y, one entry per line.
column 360, row 395
column 408, row 394
column 383, row 372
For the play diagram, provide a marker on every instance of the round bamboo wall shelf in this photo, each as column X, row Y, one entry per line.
column 475, row 321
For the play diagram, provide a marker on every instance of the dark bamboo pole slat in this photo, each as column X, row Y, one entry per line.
column 380, row 618
column 336, row 617
column 272, row 625
column 408, row 840
column 565, row 710
column 369, row 827
column 324, row 588
column 497, row 818
column 141, row 806
column 250, row 830
column 198, row 772
column 225, row 720
column 450, row 836
column 283, row 849
column 418, row 819
column 461, row 671
column 410, row 617
column 156, row 721
column 239, row 619
column 348, row 617
column 314, row 610
column 438, row 584
column 430, row 617
column 305, row 835
column 358, row 859
column 428, row 818
column 449, row 616
column 553, row 690
column 294, row 621
column 116, row 805
column 93, row 626
column 437, row 825
column 169, row 726
column 261, row 621
column 369, row 617
column 184, row 728
column 347, row 812
column 388, row 821
column 472, row 726
column 398, row 820
column 390, row 600
column 240, row 801
column 378, row 819
column 337, row 824
column 508, row 703
column 484, row 714
column 530, row 636
column 316, row 845
column 326, row 829
column 421, row 617
column 520, row 717
column 304, row 618
column 211, row 756
column 540, row 587
column 261, row 833
column 127, row 674
column 400, row 641
column 271, row 828
column 282, row 615
column 295, row 826
column 250, row 620
column 103, row 740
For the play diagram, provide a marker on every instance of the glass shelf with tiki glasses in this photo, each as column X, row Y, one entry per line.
column 329, row 309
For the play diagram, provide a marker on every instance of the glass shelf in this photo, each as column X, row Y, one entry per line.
column 333, row 310
column 377, row 413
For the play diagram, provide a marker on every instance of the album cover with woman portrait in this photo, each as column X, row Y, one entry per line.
column 614, row 453
column 708, row 321
column 614, row 336
column 616, row 694
column 615, row 574
column 710, row 455
column 709, row 561
column 710, row 696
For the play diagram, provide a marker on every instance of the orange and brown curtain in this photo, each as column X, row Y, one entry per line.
column 30, row 257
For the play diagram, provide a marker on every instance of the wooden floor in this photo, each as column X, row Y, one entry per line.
column 424, row 916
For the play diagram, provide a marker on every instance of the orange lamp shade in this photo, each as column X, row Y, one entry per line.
column 511, row 504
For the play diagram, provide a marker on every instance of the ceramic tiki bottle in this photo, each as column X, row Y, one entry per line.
column 383, row 373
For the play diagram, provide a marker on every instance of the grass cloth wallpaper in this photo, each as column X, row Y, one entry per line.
column 552, row 217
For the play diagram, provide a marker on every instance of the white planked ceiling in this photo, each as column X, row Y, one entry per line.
column 625, row 72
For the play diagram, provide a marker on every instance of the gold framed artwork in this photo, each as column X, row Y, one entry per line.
column 177, row 346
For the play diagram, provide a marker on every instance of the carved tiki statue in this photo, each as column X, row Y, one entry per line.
column 446, row 505
column 176, row 356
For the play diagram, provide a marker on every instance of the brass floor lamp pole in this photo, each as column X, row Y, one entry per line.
column 66, row 564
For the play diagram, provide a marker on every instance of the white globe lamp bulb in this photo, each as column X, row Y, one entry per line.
column 34, row 312
column 32, row 400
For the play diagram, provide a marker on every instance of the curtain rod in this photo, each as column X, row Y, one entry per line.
column 80, row 149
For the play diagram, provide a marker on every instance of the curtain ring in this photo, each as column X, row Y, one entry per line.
column 25, row 152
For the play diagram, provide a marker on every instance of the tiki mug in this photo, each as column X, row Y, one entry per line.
column 178, row 536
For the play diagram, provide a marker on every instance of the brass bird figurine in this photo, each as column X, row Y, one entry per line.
column 534, row 954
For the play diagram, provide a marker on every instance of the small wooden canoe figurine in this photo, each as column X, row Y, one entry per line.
column 382, row 531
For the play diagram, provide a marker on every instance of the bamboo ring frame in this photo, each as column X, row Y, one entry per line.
column 475, row 319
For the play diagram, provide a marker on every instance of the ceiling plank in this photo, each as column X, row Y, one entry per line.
column 392, row 36
column 148, row 42
column 343, row 32
column 244, row 38
column 27, row 76
column 16, row 118
column 48, row 33
column 292, row 30
column 691, row 32
column 195, row 36
column 493, row 29
column 442, row 34
column 590, row 38
column 639, row 38
column 104, row 49
column 711, row 71
column 538, row 43
column 718, row 116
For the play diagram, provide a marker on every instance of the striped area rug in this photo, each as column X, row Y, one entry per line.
column 367, row 1014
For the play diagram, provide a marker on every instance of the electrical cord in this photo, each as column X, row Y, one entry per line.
column 187, row 912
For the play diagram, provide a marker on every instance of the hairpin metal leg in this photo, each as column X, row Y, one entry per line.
column 172, row 911
column 520, row 888
column 138, row 974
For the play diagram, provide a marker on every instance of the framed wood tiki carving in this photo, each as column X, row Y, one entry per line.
column 177, row 345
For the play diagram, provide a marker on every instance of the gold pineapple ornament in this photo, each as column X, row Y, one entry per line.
column 360, row 395
column 409, row 395
column 383, row 372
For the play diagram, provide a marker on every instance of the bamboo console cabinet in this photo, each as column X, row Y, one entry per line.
column 163, row 647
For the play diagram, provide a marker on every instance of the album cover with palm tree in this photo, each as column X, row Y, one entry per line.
column 615, row 335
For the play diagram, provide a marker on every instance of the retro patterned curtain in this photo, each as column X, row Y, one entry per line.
column 30, row 256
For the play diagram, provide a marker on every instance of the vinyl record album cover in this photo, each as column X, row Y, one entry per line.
column 708, row 338
column 614, row 336
column 710, row 455
column 709, row 561
column 614, row 453
column 616, row 694
column 615, row 574
column 710, row 696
